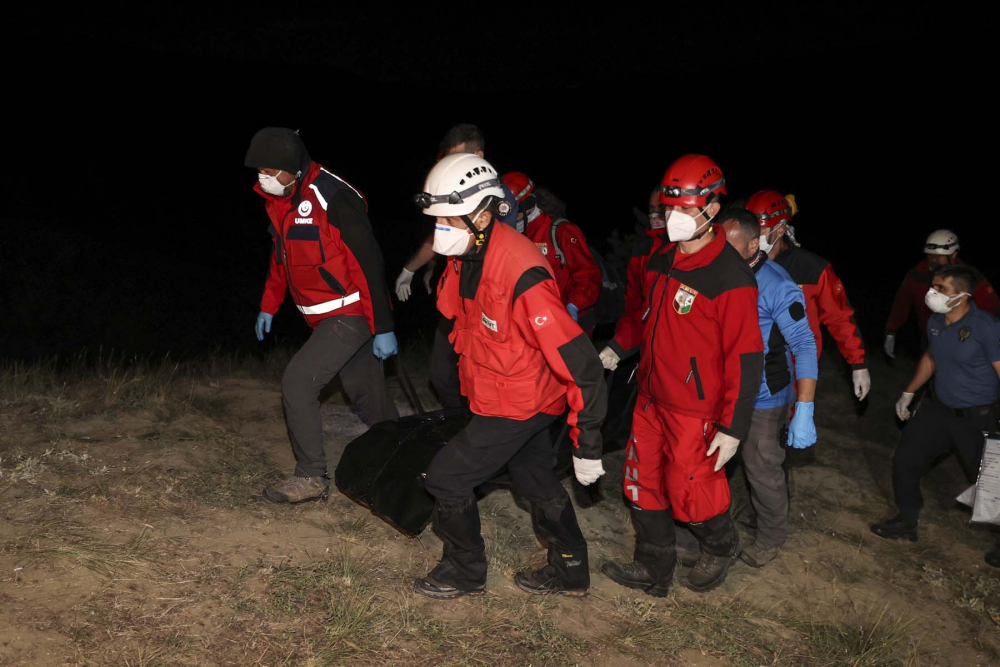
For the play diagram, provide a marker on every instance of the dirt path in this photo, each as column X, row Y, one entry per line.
column 140, row 538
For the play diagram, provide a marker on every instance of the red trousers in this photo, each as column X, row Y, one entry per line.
column 666, row 466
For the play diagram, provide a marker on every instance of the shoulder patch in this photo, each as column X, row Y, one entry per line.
column 541, row 320
column 797, row 311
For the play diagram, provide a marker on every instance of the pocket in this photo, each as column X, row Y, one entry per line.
column 503, row 397
column 303, row 245
column 331, row 281
column 697, row 379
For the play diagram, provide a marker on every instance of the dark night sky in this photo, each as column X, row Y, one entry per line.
column 128, row 207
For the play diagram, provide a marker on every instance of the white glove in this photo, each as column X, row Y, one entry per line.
column 902, row 406
column 403, row 284
column 726, row 444
column 609, row 359
column 587, row 470
column 890, row 346
column 862, row 383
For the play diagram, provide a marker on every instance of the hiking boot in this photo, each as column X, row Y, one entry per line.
column 688, row 547
column 636, row 575
column 993, row 557
column 298, row 490
column 433, row 588
column 896, row 528
column 546, row 581
column 756, row 555
column 710, row 571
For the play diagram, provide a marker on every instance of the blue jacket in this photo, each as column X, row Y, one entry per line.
column 781, row 307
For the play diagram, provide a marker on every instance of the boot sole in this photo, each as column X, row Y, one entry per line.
column 656, row 590
column 323, row 497
column 446, row 596
column 890, row 536
column 562, row 591
column 718, row 582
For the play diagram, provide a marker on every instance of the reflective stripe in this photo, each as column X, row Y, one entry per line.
column 342, row 181
column 328, row 306
column 322, row 202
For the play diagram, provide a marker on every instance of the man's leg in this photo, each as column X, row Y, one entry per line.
column 444, row 367
column 362, row 376
column 468, row 460
column 532, row 471
column 762, row 458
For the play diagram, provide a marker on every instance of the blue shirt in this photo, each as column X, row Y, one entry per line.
column 963, row 354
column 784, row 326
column 510, row 218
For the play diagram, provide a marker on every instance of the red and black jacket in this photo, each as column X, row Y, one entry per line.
column 914, row 288
column 520, row 351
column 580, row 279
column 325, row 253
column 628, row 331
column 826, row 303
column 702, row 354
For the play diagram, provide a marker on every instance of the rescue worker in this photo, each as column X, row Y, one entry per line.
column 781, row 309
column 701, row 359
column 826, row 300
column 522, row 359
column 963, row 360
column 940, row 248
column 577, row 274
column 326, row 256
column 463, row 138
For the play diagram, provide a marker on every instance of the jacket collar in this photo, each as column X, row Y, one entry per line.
column 703, row 257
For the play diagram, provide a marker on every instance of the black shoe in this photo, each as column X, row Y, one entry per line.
column 896, row 528
column 545, row 582
column 688, row 555
column 993, row 557
column 441, row 591
column 710, row 571
column 636, row 575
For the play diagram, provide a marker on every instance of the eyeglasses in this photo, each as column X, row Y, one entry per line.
column 426, row 199
column 674, row 191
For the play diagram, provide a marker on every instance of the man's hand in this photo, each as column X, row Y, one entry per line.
column 902, row 406
column 263, row 324
column 574, row 312
column 802, row 430
column 862, row 383
column 403, row 284
column 726, row 444
column 587, row 470
column 385, row 345
column 427, row 275
column 609, row 359
column 890, row 346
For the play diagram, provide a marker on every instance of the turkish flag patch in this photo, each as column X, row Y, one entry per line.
column 542, row 319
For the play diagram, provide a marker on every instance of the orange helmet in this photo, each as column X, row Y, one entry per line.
column 771, row 208
column 520, row 185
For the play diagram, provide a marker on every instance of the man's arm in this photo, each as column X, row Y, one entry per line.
column 925, row 371
column 902, row 304
column 836, row 313
column 789, row 313
column 628, row 331
column 742, row 358
column 986, row 298
column 584, row 271
column 276, row 283
column 546, row 325
column 424, row 254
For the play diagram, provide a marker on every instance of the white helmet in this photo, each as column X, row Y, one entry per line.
column 941, row 242
column 457, row 185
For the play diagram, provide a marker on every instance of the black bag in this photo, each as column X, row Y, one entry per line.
column 610, row 304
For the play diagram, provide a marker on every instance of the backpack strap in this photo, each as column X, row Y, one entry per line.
column 555, row 244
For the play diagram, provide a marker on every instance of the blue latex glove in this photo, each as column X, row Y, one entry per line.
column 263, row 324
column 385, row 345
column 802, row 430
column 574, row 312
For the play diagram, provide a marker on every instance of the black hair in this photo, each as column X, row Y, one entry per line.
column 749, row 225
column 962, row 276
column 551, row 204
column 463, row 133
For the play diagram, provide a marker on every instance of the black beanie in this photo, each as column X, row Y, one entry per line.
column 278, row 148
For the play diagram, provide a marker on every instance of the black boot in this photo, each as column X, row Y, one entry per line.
column 993, row 557
column 652, row 569
column 568, row 569
column 896, row 528
column 720, row 546
column 462, row 570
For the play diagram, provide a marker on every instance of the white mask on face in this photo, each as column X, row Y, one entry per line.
column 533, row 213
column 682, row 227
column 656, row 220
column 764, row 245
column 939, row 303
column 450, row 240
column 271, row 185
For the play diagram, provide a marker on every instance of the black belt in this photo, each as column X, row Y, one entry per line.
column 979, row 411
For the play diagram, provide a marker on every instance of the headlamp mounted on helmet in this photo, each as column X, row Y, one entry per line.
column 674, row 192
column 426, row 199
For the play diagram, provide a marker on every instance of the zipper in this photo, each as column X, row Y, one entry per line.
column 296, row 297
column 697, row 378
column 652, row 339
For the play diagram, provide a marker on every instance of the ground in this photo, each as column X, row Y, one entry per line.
column 133, row 533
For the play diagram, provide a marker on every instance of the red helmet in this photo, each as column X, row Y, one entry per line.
column 691, row 180
column 520, row 185
column 770, row 207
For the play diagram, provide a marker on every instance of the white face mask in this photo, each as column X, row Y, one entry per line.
column 271, row 185
column 939, row 303
column 764, row 245
column 656, row 220
column 450, row 240
column 682, row 227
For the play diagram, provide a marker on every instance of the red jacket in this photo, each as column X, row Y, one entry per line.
column 628, row 331
column 521, row 352
column 826, row 303
column 326, row 254
column 580, row 279
column 914, row 288
column 701, row 353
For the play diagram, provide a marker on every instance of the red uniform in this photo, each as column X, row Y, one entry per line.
column 628, row 331
column 325, row 253
column 580, row 279
column 701, row 364
column 914, row 288
column 826, row 303
column 521, row 352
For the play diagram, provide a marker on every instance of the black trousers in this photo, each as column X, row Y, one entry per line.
column 932, row 431
column 444, row 367
column 473, row 457
column 340, row 345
